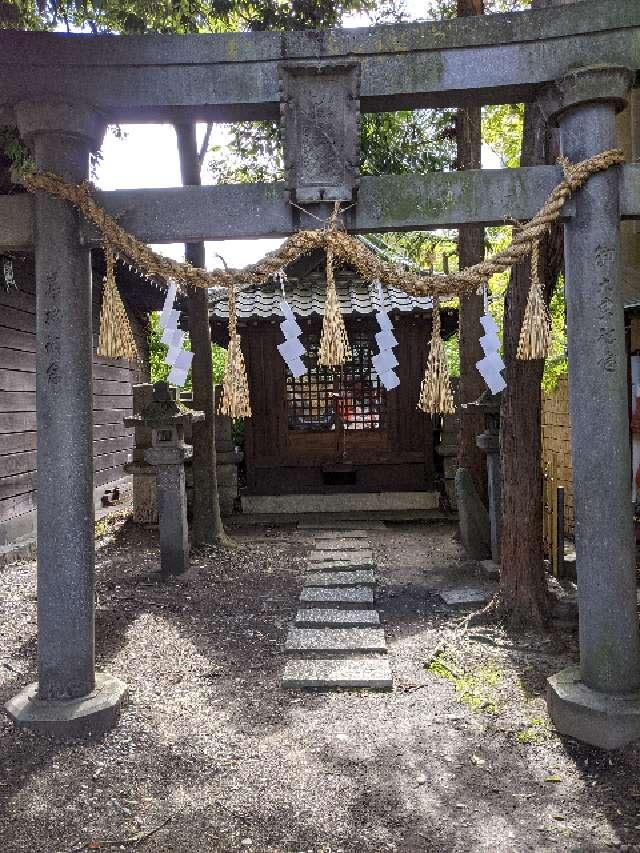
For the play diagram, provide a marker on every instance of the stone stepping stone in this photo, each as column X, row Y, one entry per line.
column 461, row 596
column 338, row 565
column 319, row 617
column 344, row 545
column 362, row 557
column 371, row 673
column 361, row 577
column 338, row 535
column 335, row 641
column 343, row 597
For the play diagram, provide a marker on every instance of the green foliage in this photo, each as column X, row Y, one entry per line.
column 537, row 730
column 556, row 364
column 157, row 353
column 502, row 131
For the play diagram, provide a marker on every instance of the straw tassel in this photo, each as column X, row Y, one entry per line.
column 334, row 343
column 435, row 392
column 116, row 338
column 235, row 387
column 535, row 335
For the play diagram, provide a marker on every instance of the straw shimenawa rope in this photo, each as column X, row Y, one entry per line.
column 345, row 249
column 334, row 343
column 535, row 334
column 116, row 338
column 235, row 386
column 435, row 391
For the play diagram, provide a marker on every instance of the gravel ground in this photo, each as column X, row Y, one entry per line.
column 212, row 755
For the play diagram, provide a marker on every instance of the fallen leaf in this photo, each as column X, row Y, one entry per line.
column 553, row 779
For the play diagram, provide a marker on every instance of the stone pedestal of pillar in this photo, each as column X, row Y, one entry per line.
column 168, row 463
column 599, row 702
column 68, row 699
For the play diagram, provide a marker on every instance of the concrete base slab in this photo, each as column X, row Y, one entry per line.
column 89, row 715
column 465, row 595
column 335, row 641
column 335, row 617
column 347, row 597
column 600, row 719
column 372, row 674
column 345, row 502
column 340, row 579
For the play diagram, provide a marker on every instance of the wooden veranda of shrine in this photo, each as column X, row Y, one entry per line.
column 578, row 62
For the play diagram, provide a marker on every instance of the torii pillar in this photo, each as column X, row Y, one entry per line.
column 69, row 698
column 599, row 701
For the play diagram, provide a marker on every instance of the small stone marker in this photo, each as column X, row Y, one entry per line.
column 349, row 597
column 335, row 641
column 466, row 595
column 359, row 577
column 319, row 617
column 371, row 673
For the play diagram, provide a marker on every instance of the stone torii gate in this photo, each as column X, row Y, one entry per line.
column 61, row 91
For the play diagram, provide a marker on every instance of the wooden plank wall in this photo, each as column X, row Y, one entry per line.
column 112, row 400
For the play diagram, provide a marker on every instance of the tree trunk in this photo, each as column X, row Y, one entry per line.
column 471, row 251
column 206, row 525
column 523, row 588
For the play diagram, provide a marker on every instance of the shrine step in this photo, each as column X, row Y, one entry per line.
column 342, row 597
column 318, row 617
column 340, row 579
column 335, row 641
column 367, row 673
column 323, row 536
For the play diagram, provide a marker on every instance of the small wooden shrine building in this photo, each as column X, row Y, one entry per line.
column 333, row 431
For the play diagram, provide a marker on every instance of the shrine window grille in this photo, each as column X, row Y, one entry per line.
column 351, row 394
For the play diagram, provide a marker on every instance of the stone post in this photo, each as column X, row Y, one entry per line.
column 69, row 698
column 172, row 507
column 489, row 442
column 599, row 702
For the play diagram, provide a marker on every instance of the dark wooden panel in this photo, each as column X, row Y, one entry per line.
column 17, row 485
column 11, row 422
column 109, row 416
column 112, row 402
column 11, row 507
column 117, row 430
column 112, row 445
column 17, row 442
column 103, row 387
column 17, row 380
column 17, row 401
column 110, row 460
column 111, row 372
column 12, row 318
column 17, row 299
column 108, row 475
column 17, row 463
column 14, row 359
column 17, row 339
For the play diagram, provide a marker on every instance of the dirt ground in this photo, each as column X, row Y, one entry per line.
column 212, row 755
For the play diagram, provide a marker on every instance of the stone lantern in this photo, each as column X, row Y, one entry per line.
column 167, row 454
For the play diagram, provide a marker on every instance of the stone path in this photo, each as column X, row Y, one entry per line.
column 337, row 641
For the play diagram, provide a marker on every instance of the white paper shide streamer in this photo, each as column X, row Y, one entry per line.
column 491, row 365
column 178, row 359
column 291, row 349
column 385, row 362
